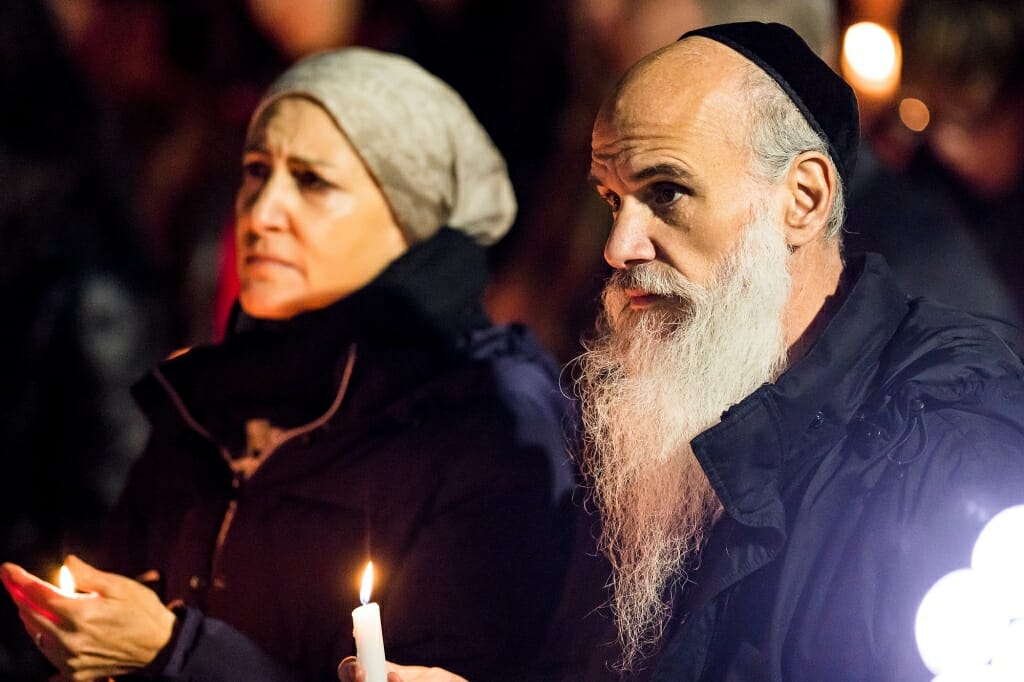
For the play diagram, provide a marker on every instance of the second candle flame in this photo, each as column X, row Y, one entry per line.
column 367, row 584
column 66, row 581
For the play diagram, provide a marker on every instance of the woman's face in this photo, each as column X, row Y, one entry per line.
column 312, row 226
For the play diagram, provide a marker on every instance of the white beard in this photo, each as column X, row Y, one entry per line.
column 650, row 382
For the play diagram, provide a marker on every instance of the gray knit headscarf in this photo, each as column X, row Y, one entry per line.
column 430, row 156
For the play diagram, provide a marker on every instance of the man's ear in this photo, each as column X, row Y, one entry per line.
column 810, row 186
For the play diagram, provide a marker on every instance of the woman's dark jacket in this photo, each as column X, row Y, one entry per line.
column 420, row 436
column 850, row 486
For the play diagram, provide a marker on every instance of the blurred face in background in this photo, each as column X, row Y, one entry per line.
column 964, row 61
column 626, row 30
column 301, row 27
column 312, row 224
column 977, row 135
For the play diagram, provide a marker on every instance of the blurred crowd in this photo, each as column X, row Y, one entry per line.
column 118, row 166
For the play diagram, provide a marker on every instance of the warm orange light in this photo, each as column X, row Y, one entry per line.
column 872, row 58
column 367, row 585
column 914, row 114
column 66, row 581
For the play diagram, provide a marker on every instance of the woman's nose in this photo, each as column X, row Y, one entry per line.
column 266, row 209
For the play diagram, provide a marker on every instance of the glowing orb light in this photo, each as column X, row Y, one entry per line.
column 970, row 625
column 871, row 58
column 914, row 114
column 958, row 623
column 1008, row 659
column 981, row 673
column 999, row 558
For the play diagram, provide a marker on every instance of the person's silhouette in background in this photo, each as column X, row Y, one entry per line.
column 953, row 218
column 77, row 330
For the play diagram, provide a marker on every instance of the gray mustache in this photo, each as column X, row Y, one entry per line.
column 654, row 278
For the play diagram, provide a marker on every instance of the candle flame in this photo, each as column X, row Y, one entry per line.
column 66, row 581
column 367, row 585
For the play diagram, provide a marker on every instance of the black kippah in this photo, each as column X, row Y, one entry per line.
column 825, row 100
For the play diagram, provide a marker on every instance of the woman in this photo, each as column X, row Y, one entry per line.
column 363, row 408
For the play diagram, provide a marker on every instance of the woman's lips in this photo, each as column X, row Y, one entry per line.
column 260, row 260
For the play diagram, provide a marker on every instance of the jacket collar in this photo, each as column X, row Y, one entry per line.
column 432, row 291
column 413, row 317
column 746, row 455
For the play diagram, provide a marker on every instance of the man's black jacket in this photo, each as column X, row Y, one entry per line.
column 850, row 485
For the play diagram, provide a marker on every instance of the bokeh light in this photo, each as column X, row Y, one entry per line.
column 1008, row 657
column 871, row 59
column 999, row 558
column 914, row 114
column 958, row 623
column 970, row 625
column 980, row 673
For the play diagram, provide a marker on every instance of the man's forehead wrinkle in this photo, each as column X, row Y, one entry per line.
column 671, row 170
column 671, row 110
column 679, row 82
column 659, row 136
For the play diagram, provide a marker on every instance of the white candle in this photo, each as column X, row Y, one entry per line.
column 367, row 632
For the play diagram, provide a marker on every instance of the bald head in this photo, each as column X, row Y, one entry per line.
column 711, row 86
column 696, row 77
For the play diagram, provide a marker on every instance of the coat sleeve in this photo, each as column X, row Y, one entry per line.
column 210, row 650
column 475, row 587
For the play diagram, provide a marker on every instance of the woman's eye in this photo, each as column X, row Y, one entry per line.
column 310, row 180
column 256, row 169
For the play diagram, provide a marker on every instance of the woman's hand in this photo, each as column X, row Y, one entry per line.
column 117, row 628
column 349, row 670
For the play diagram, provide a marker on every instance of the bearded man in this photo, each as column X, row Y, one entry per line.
column 786, row 452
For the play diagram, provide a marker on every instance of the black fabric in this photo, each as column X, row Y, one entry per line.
column 825, row 99
column 443, row 463
column 436, row 286
column 429, row 297
column 850, row 486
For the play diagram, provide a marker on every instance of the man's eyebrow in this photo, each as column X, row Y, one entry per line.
column 662, row 169
column 669, row 170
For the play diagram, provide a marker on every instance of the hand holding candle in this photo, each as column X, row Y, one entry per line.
column 367, row 632
column 106, row 625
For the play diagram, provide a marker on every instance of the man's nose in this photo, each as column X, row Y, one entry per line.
column 629, row 242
